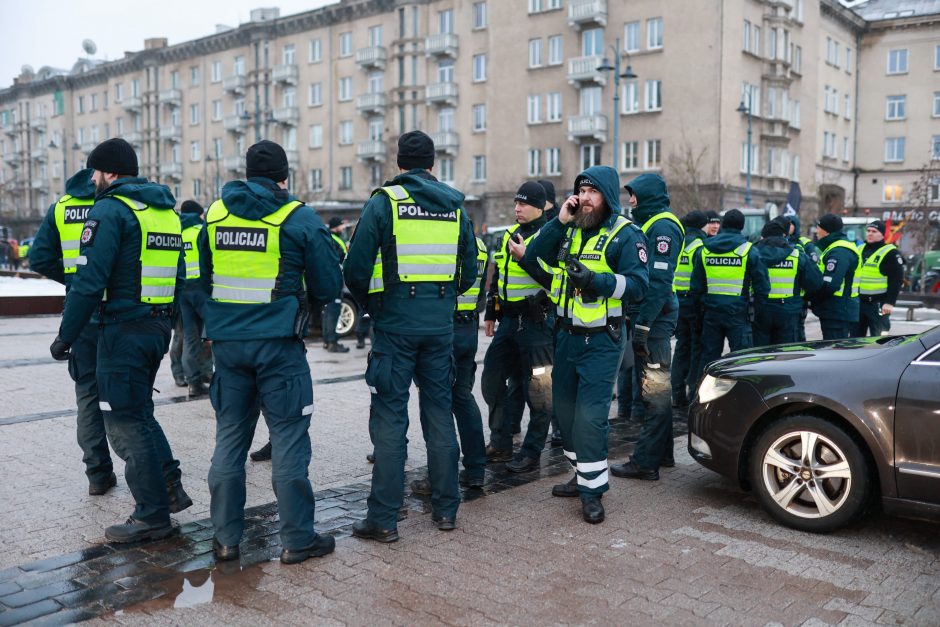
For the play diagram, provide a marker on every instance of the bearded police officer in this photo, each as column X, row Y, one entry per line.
column 685, row 360
column 197, row 359
column 836, row 302
column 412, row 254
column 522, row 341
column 791, row 273
column 130, row 268
column 654, row 323
column 54, row 254
column 260, row 252
column 724, row 287
column 880, row 279
column 604, row 257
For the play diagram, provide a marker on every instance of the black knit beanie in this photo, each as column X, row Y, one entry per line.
column 114, row 156
column 267, row 159
column 190, row 206
column 415, row 151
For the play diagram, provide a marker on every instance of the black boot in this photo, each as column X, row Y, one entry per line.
column 198, row 389
column 224, row 553
column 629, row 470
column 263, row 454
column 137, row 531
column 97, row 489
column 592, row 509
column 367, row 530
column 179, row 500
column 569, row 489
column 336, row 347
column 322, row 545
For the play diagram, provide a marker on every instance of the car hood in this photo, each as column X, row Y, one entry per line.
column 852, row 349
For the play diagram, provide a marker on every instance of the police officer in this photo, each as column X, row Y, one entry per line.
column 836, row 302
column 791, row 273
column 54, row 254
column 197, row 359
column 604, row 257
column 685, row 360
column 654, row 323
column 522, row 342
column 130, row 267
column 806, row 245
column 412, row 254
column 724, row 287
column 332, row 308
column 713, row 224
column 879, row 282
column 260, row 248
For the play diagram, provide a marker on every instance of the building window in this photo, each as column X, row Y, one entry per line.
column 216, row 71
column 175, row 79
column 287, row 54
column 845, row 149
column 848, row 60
column 894, row 149
column 316, row 136
column 553, row 106
column 893, row 193
column 590, row 155
column 750, row 95
column 590, row 101
column 935, row 147
column 289, row 98
column 345, row 89
column 534, row 110
column 848, row 107
column 654, row 33
column 936, row 104
column 592, row 42
column 479, row 118
column 479, row 16
column 479, row 168
column 631, row 96
column 771, row 43
column 479, row 68
column 315, row 95
column 797, row 64
column 752, row 149
column 193, row 114
column 445, row 21
column 654, row 97
column 652, row 154
column 345, row 177
column 771, row 102
column 445, row 121
column 553, row 161
column 376, row 82
column 217, row 147
column 631, row 37
column 535, row 162
column 375, row 36
column 896, row 108
column 81, row 104
column 345, row 132
column 315, row 180
column 194, row 76
column 119, row 92
column 345, row 44
column 314, row 52
column 556, row 55
column 535, row 53
column 238, row 67
column 795, row 114
column 445, row 170
column 197, row 188
column 897, row 61
column 746, row 43
column 631, row 155
column 93, row 103
column 445, row 71
column 194, row 152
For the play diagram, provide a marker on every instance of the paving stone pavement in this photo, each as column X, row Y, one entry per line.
column 689, row 549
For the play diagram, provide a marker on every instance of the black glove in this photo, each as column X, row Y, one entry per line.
column 640, row 336
column 579, row 274
column 59, row 349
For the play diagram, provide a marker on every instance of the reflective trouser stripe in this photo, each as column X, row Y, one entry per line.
column 586, row 467
column 596, row 482
column 426, row 249
column 104, row 405
column 157, row 272
column 572, row 458
column 157, row 291
column 306, row 411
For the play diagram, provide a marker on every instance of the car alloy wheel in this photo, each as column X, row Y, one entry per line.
column 809, row 473
column 346, row 323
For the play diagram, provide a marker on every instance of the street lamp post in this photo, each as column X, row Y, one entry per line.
column 742, row 108
column 65, row 167
column 629, row 74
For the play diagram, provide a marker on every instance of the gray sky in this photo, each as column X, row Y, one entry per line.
column 50, row 32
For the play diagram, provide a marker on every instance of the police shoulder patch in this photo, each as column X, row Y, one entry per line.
column 88, row 232
column 831, row 265
column 642, row 255
column 663, row 245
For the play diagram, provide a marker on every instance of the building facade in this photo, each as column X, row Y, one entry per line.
column 800, row 91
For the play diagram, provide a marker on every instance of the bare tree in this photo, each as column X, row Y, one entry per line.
column 919, row 225
column 685, row 173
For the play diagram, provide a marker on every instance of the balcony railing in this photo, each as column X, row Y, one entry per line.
column 233, row 164
column 87, row 146
column 12, row 159
column 171, row 97
column 372, row 150
column 132, row 103
column 293, row 157
column 10, row 128
column 235, row 84
column 40, row 184
column 288, row 116
column 134, row 138
column 171, row 133
column 446, row 142
column 39, row 154
column 38, row 124
column 441, row 93
column 587, row 12
column 373, row 57
column 584, row 69
column 235, row 123
column 587, row 126
column 441, row 44
column 371, row 103
column 289, row 74
column 172, row 170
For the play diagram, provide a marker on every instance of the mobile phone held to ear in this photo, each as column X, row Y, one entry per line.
column 574, row 206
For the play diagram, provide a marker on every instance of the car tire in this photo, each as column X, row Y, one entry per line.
column 348, row 318
column 818, row 492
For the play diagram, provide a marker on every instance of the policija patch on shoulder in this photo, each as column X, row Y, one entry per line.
column 663, row 245
column 831, row 265
column 88, row 233
column 641, row 252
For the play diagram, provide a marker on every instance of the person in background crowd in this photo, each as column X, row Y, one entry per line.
column 836, row 302
column 685, row 362
column 879, row 282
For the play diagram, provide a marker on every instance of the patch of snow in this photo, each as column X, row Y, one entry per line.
column 15, row 286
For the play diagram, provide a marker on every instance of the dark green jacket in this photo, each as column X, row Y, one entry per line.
column 772, row 251
column 756, row 283
column 187, row 220
column 838, row 266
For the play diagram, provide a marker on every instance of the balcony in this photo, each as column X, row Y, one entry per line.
column 775, row 131
column 12, row 159
column 587, row 13
column 132, row 104
column 170, row 97
column 584, row 70
column 288, row 116
column 233, row 164
column 171, row 133
column 372, row 58
column 38, row 154
column 235, row 124
column 287, row 74
column 442, row 94
column 235, row 84
column 38, row 124
column 40, row 184
column 134, row 138
column 372, row 150
column 293, row 158
column 587, row 127
column 87, row 146
column 172, row 170
column 446, row 142
column 442, row 44
column 9, row 128
column 371, row 104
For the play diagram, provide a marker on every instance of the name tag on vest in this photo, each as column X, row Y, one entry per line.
column 723, row 261
column 241, row 238
column 415, row 212
column 589, row 257
column 786, row 263
column 164, row 241
column 76, row 215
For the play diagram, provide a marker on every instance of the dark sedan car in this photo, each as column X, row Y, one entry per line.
column 819, row 429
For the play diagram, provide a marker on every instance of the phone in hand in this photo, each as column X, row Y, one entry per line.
column 575, row 205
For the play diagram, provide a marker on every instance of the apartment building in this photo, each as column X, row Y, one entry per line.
column 794, row 90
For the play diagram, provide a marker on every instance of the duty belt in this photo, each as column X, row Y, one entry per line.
column 573, row 330
column 871, row 298
column 466, row 317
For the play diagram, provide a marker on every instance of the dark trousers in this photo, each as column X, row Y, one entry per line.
column 521, row 348
column 629, row 402
column 655, row 384
column 775, row 323
column 363, row 325
column 92, row 438
column 197, row 359
column 685, row 360
column 176, row 350
column 330, row 319
column 870, row 319
column 717, row 326
column 273, row 374
column 836, row 329
column 393, row 362
column 129, row 355
column 583, row 376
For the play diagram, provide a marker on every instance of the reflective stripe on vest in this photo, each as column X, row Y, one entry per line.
column 160, row 244
column 70, row 215
column 682, row 281
column 191, row 251
column 725, row 272
column 870, row 280
column 513, row 283
column 666, row 215
column 339, row 242
column 468, row 300
column 783, row 276
column 426, row 243
column 593, row 254
column 858, row 265
column 246, row 254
